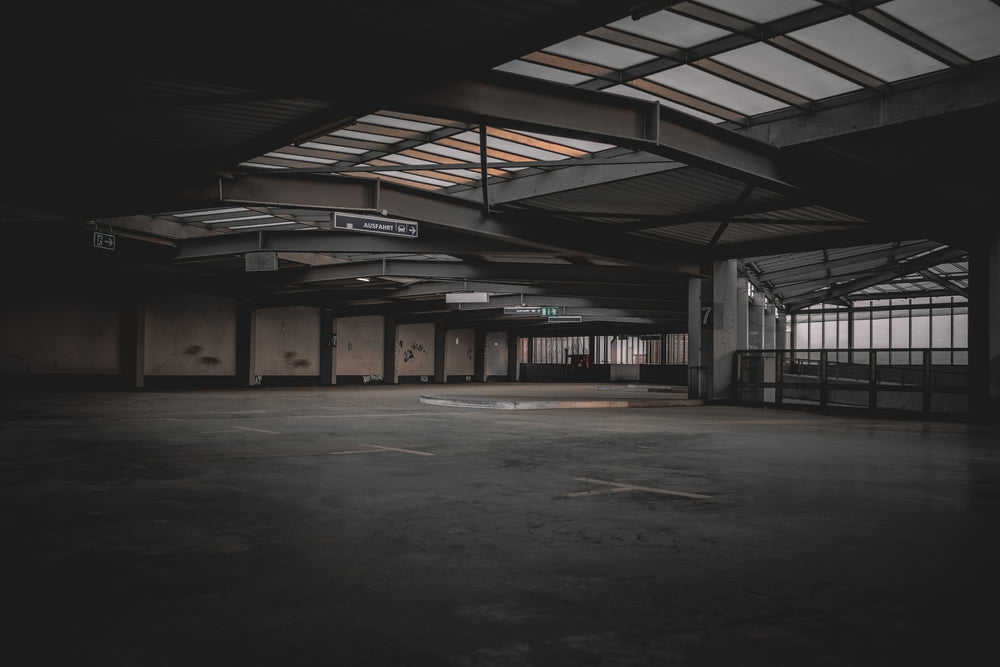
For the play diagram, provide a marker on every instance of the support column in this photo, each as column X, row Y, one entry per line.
column 984, row 329
column 479, row 358
column 246, row 344
column 513, row 363
column 713, row 336
column 780, row 331
column 744, row 339
column 132, row 343
column 696, row 372
column 755, row 323
column 327, row 348
column 769, row 326
column 390, row 374
column 440, row 331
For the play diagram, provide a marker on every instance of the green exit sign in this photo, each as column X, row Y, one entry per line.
column 549, row 311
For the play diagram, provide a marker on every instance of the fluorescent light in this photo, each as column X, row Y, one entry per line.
column 467, row 297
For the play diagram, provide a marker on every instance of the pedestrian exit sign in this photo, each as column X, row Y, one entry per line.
column 105, row 241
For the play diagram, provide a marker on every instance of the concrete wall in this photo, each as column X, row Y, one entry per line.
column 59, row 337
column 190, row 335
column 287, row 341
column 415, row 349
column 459, row 352
column 360, row 346
column 496, row 354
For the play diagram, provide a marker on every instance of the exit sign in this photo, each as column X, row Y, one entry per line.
column 105, row 241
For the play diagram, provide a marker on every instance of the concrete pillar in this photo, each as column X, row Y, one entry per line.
column 769, row 326
column 780, row 331
column 246, row 348
column 696, row 372
column 713, row 332
column 743, row 338
column 513, row 363
column 440, row 332
column 725, row 337
column 327, row 348
column 479, row 350
column 984, row 329
column 132, row 343
column 390, row 373
column 755, row 323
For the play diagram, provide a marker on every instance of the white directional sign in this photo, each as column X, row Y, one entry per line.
column 540, row 311
column 374, row 224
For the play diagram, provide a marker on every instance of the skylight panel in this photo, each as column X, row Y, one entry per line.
column 542, row 72
column 970, row 27
column 337, row 148
column 856, row 43
column 447, row 151
column 783, row 69
column 709, row 87
column 581, row 144
column 266, row 224
column 214, row 211
column 760, row 12
column 366, row 136
column 299, row 158
column 600, row 53
column 510, row 147
column 407, row 176
column 672, row 29
column 399, row 123
column 629, row 91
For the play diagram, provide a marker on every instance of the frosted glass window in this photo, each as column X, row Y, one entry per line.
column 941, row 330
column 709, row 87
column 629, row 91
column 862, row 333
column 830, row 336
column 537, row 71
column 857, row 43
column 801, row 334
column 880, row 333
column 671, row 28
column 970, row 27
column 783, row 69
column 760, row 12
column 900, row 332
column 920, row 331
column 961, row 330
column 595, row 51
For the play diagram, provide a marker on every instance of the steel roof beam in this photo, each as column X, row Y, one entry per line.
column 521, row 103
column 592, row 241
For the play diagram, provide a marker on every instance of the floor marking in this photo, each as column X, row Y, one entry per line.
column 396, row 449
column 374, row 449
column 241, row 428
column 631, row 487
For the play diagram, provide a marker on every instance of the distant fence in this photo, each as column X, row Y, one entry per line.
column 923, row 380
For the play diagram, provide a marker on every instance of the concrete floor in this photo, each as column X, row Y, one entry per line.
column 362, row 526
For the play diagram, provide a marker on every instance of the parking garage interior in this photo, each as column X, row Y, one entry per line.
column 508, row 333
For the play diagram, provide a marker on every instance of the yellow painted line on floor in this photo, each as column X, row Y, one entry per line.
column 633, row 487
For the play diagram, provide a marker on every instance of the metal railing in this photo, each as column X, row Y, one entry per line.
column 925, row 380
